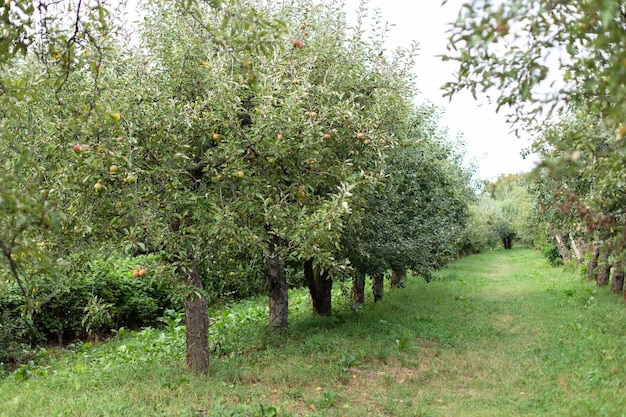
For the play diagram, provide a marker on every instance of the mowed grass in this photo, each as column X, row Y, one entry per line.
column 496, row 334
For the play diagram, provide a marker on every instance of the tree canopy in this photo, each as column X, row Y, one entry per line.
column 225, row 132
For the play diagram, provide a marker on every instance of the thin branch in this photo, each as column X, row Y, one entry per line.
column 7, row 251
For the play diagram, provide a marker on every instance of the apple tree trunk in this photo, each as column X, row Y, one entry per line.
column 617, row 280
column 578, row 247
column 604, row 270
column 378, row 286
column 358, row 287
column 593, row 264
column 196, row 318
column 320, row 286
column 398, row 277
column 279, row 297
column 562, row 247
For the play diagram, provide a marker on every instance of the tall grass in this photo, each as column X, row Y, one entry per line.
column 497, row 334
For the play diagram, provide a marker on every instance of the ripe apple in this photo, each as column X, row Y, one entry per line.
column 297, row 43
column 136, row 272
column 360, row 135
column 143, row 271
column 327, row 136
column 216, row 136
column 77, row 148
column 367, row 142
column 240, row 173
column 280, row 136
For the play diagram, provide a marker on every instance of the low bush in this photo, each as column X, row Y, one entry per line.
column 108, row 295
column 552, row 254
column 102, row 295
column 18, row 335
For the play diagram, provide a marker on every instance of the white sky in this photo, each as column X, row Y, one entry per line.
column 489, row 138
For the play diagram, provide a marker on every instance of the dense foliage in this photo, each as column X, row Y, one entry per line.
column 232, row 141
column 414, row 219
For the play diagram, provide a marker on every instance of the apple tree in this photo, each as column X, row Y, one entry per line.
column 246, row 127
column 565, row 59
column 415, row 217
column 578, row 191
column 511, row 208
column 30, row 218
column 117, row 142
column 542, row 55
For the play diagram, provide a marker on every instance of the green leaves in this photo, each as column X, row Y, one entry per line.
column 219, row 133
column 561, row 68
column 15, row 25
column 415, row 217
column 504, row 50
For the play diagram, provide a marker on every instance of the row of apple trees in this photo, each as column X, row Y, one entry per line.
column 218, row 140
column 501, row 214
column 560, row 68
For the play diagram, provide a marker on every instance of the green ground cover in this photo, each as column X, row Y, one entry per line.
column 497, row 334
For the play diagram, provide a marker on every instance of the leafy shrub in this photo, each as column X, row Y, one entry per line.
column 552, row 254
column 18, row 335
column 102, row 294
column 106, row 295
column 17, row 332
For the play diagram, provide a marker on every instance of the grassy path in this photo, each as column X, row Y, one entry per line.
column 530, row 340
column 498, row 334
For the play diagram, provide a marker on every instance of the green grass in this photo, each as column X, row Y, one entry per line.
column 497, row 334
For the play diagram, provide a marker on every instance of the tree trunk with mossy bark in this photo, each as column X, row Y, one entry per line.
column 320, row 286
column 593, row 264
column 279, row 297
